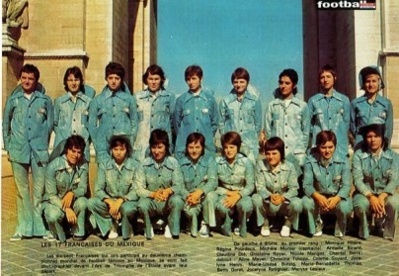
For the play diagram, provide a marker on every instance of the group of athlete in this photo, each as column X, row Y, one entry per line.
column 157, row 159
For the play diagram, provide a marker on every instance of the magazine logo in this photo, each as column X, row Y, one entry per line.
column 346, row 5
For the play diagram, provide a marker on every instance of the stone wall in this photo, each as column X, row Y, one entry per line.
column 351, row 40
column 88, row 34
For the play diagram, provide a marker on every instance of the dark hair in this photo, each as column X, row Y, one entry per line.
column 193, row 70
column 370, row 70
column 196, row 137
column 325, row 136
column 328, row 68
column 379, row 130
column 117, row 140
column 154, row 70
column 240, row 73
column 232, row 138
column 31, row 69
column 293, row 75
column 160, row 136
column 74, row 141
column 77, row 73
column 117, row 69
column 275, row 143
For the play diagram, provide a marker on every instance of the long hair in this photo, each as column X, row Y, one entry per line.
column 379, row 130
column 77, row 73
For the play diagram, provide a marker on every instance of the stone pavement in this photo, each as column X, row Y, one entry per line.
column 217, row 255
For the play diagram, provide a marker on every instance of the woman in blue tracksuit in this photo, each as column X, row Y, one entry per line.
column 112, row 112
column 241, row 111
column 195, row 111
column 71, row 110
column 160, row 192
column 288, row 117
column 200, row 178
column 276, row 189
column 66, row 185
column 376, row 178
column 330, row 110
column 115, row 199
column 27, row 125
column 327, row 184
column 236, row 185
column 155, row 107
column 371, row 106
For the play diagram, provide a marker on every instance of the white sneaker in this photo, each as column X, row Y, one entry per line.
column 204, row 230
column 112, row 234
column 319, row 229
column 285, row 231
column 167, row 232
column 339, row 234
column 151, row 235
column 318, row 234
column 16, row 237
column 49, row 237
column 265, row 231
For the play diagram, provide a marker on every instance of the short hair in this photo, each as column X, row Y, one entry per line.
column 232, row 138
column 77, row 73
column 193, row 70
column 275, row 143
column 328, row 68
column 160, row 136
column 115, row 68
column 325, row 136
column 121, row 140
column 196, row 137
column 293, row 75
column 74, row 141
column 31, row 69
column 240, row 73
column 154, row 70
column 366, row 72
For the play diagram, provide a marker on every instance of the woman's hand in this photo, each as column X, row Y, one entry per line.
column 232, row 198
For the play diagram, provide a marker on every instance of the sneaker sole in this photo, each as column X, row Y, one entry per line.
column 16, row 239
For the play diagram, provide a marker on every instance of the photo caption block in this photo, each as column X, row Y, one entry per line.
column 306, row 256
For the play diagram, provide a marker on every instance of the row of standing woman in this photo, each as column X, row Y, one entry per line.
column 115, row 112
column 297, row 123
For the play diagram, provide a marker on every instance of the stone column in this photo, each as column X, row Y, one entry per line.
column 13, row 59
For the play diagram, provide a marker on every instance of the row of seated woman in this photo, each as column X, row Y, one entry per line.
column 227, row 193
